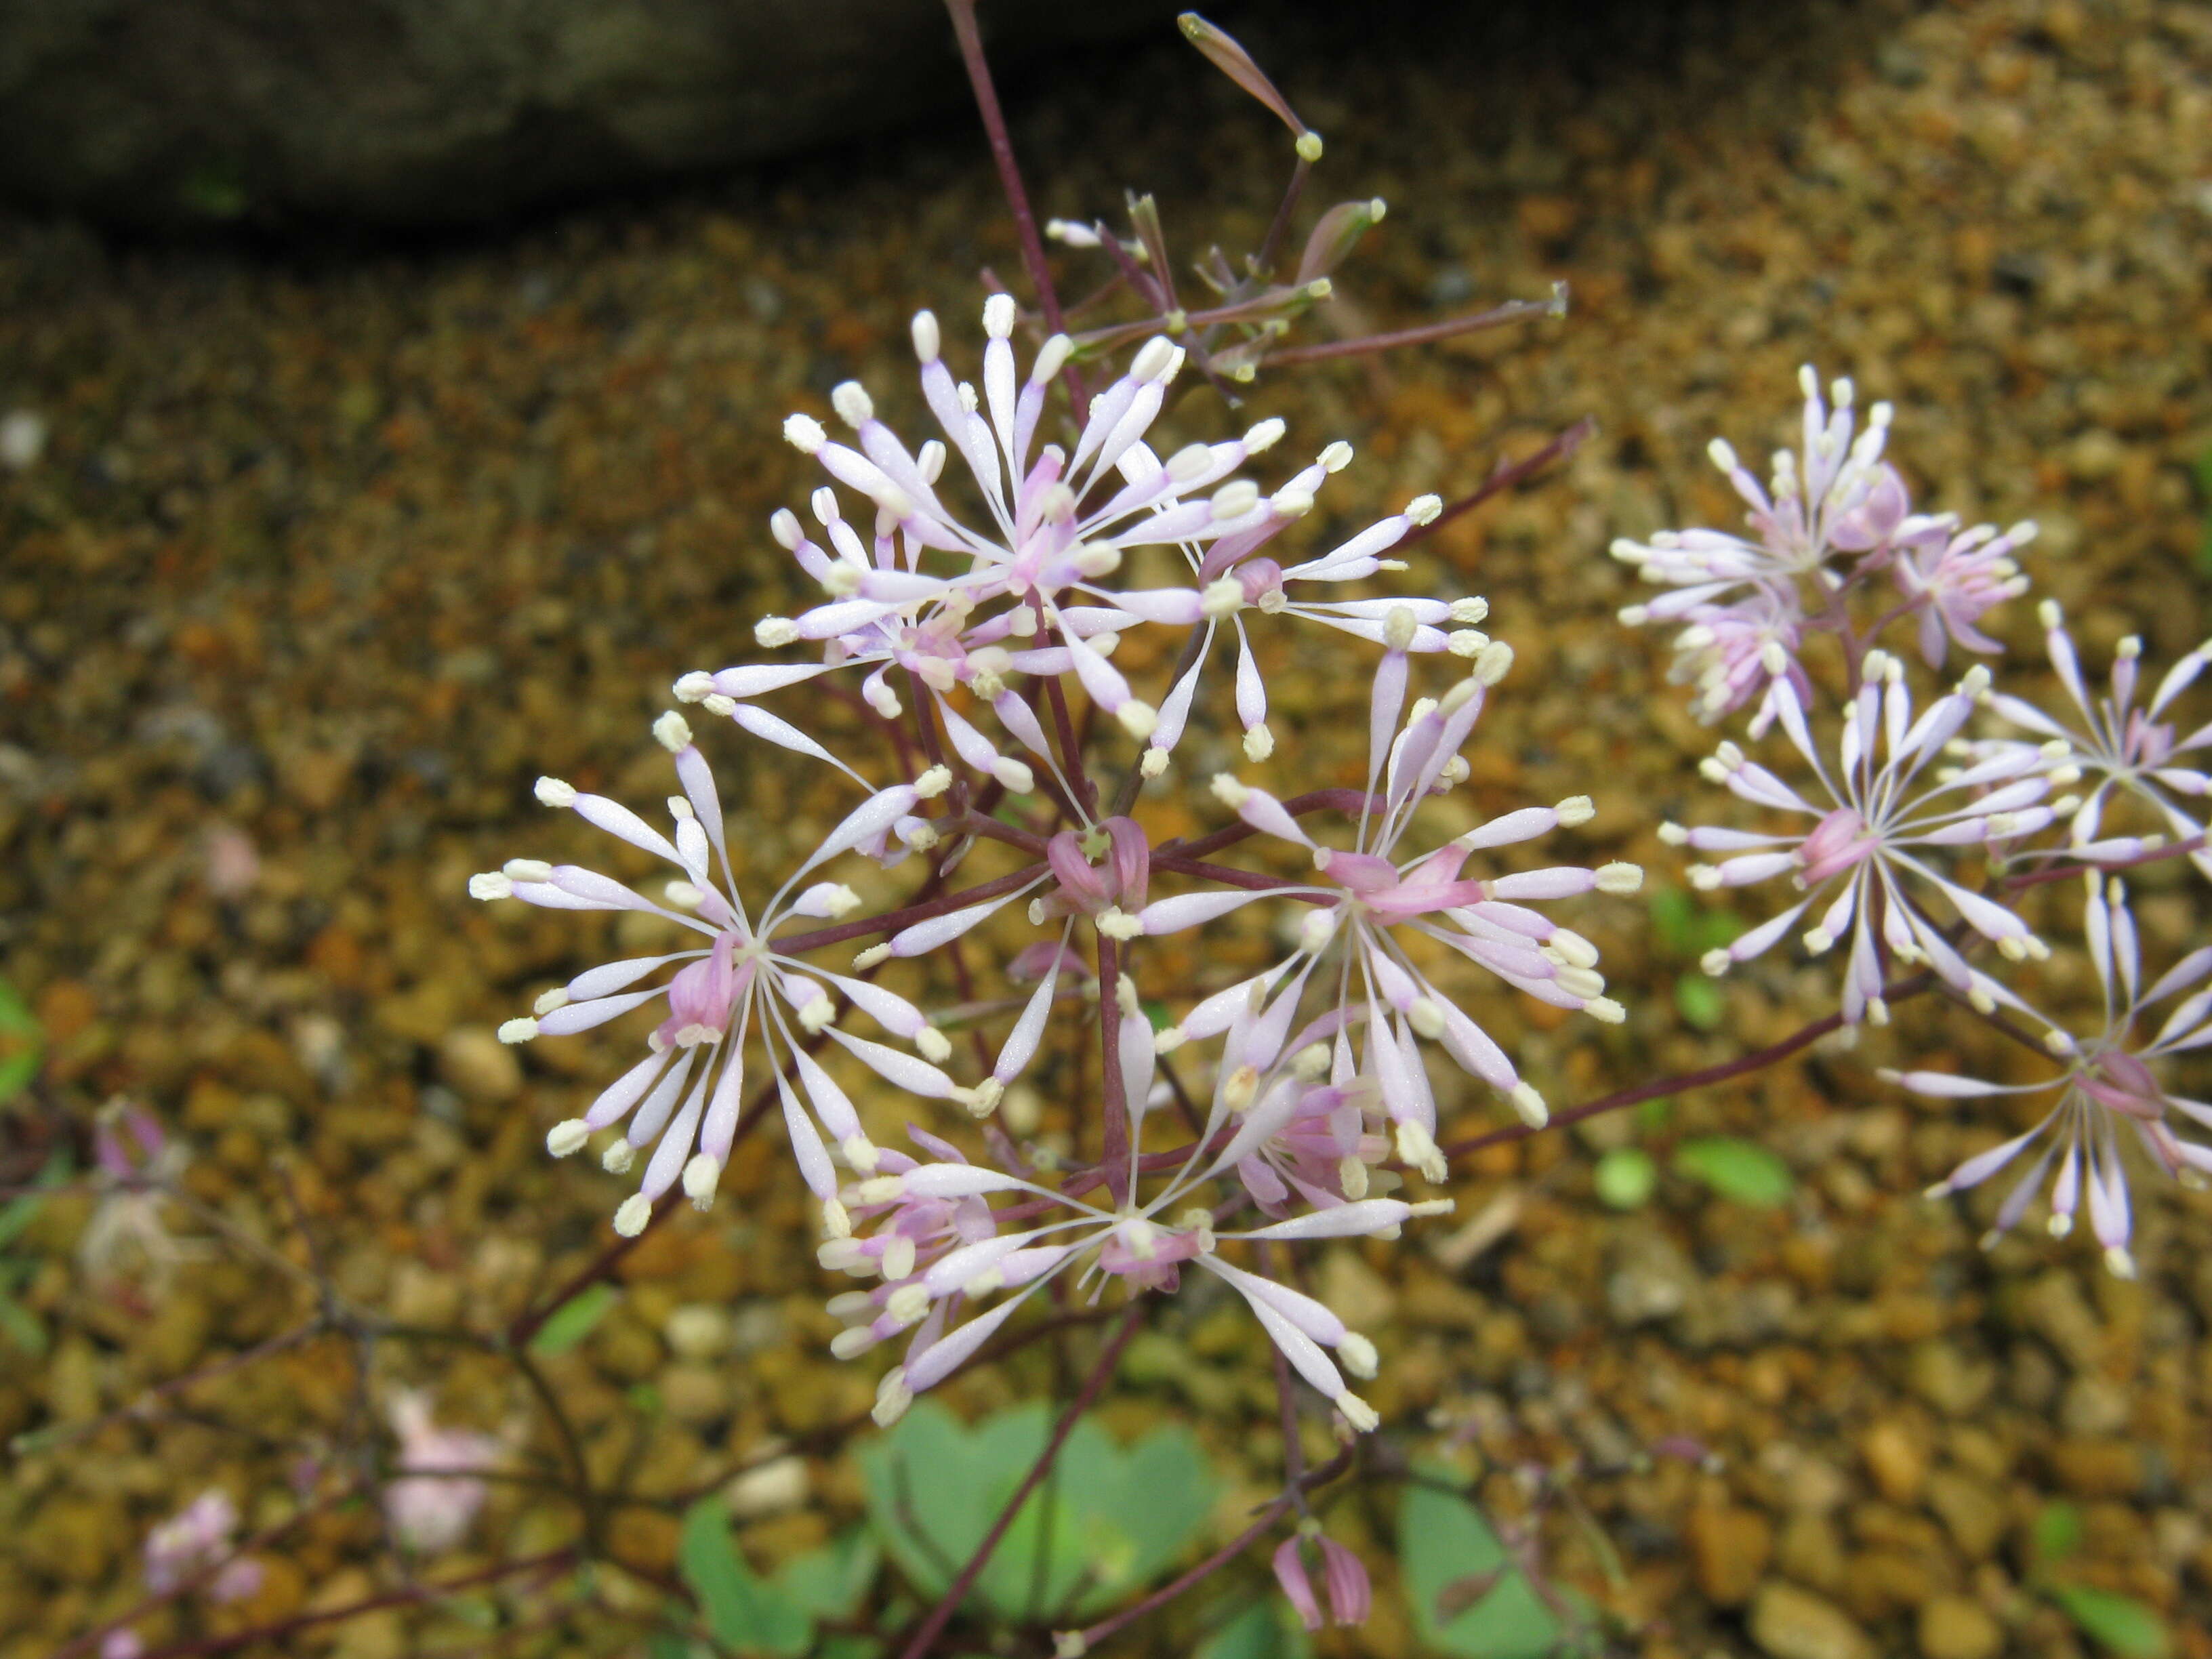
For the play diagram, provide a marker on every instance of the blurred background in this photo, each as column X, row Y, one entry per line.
column 389, row 397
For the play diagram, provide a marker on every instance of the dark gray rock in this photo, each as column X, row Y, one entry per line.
column 421, row 112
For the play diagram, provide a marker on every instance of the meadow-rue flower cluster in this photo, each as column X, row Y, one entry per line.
column 1905, row 799
column 979, row 641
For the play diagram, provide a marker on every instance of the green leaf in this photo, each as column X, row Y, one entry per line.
column 23, row 1327
column 1468, row 1599
column 2058, row 1533
column 1674, row 921
column 1701, row 1001
column 1624, row 1178
column 572, row 1321
column 1737, row 1169
column 22, row 1043
column 742, row 1612
column 1265, row 1630
column 2119, row 1623
column 829, row 1583
column 1107, row 1521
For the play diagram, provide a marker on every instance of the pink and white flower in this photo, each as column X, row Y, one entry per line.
column 1734, row 653
column 196, row 1539
column 2111, row 1083
column 1365, row 896
column 2124, row 750
column 1868, row 845
column 434, row 1499
column 1837, row 497
column 683, row 1098
column 1135, row 1243
column 1955, row 577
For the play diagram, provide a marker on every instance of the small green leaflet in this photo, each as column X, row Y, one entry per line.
column 572, row 1321
column 2119, row 1624
column 1737, row 1169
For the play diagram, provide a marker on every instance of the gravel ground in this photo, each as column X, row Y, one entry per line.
column 324, row 558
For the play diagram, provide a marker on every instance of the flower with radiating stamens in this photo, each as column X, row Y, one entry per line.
column 1134, row 1245
column 1364, row 897
column 914, row 1230
column 2123, row 749
column 1232, row 578
column 1326, row 1145
column 1838, row 497
column 2111, row 1080
column 684, row 1096
column 1734, row 653
column 1868, row 843
column 1954, row 577
column 1058, row 522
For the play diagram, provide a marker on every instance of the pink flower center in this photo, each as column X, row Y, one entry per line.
column 2121, row 1083
column 703, row 996
column 1838, row 841
column 2147, row 743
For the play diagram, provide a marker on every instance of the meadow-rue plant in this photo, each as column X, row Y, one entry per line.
column 988, row 637
column 1256, row 988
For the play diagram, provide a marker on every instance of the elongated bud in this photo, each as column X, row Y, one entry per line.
column 1052, row 357
column 1152, row 358
column 892, row 1398
column 1530, row 1105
